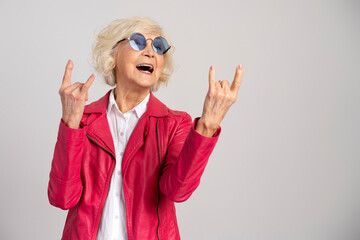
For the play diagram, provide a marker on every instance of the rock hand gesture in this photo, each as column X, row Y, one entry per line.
column 219, row 98
column 73, row 97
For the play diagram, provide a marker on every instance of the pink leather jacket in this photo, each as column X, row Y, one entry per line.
column 162, row 164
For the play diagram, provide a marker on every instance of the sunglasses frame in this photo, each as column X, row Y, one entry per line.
column 146, row 39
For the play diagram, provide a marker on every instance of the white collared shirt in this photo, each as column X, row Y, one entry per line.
column 113, row 220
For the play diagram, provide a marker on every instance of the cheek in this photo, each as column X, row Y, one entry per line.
column 160, row 66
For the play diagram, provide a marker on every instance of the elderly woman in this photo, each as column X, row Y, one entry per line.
column 121, row 162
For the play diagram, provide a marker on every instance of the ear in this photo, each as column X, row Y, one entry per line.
column 115, row 57
column 113, row 66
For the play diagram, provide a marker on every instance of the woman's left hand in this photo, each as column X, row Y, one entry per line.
column 219, row 98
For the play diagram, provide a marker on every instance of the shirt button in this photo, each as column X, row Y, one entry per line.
column 117, row 194
column 121, row 134
column 118, row 173
column 116, row 216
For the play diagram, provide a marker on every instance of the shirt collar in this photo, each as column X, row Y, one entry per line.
column 138, row 109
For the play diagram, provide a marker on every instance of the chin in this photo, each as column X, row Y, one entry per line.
column 146, row 84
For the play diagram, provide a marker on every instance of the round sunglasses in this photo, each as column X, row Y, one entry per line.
column 138, row 42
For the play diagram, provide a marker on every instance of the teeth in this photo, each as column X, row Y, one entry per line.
column 145, row 67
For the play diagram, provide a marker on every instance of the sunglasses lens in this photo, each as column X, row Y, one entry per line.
column 137, row 41
column 160, row 45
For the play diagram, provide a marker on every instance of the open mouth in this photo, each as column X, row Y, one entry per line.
column 146, row 68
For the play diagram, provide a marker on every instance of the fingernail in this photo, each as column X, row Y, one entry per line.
column 240, row 67
column 211, row 67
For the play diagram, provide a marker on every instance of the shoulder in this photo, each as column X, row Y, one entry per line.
column 98, row 106
column 177, row 122
column 157, row 108
column 95, row 110
column 179, row 116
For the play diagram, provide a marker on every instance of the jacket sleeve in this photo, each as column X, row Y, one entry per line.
column 65, row 186
column 187, row 155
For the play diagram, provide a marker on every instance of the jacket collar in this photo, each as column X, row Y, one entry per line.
column 155, row 107
column 99, row 130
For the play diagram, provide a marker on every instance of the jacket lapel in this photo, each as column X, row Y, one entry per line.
column 99, row 131
column 155, row 108
column 98, row 126
column 136, row 141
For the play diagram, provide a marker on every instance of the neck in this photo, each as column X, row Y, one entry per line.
column 127, row 100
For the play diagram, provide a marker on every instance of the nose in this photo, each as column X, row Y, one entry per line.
column 148, row 50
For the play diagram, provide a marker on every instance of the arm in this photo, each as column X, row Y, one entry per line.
column 65, row 186
column 187, row 156
column 188, row 153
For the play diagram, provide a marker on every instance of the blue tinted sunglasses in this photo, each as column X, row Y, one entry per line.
column 138, row 42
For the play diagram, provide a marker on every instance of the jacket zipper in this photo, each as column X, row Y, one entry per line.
column 100, row 146
column 108, row 185
column 160, row 169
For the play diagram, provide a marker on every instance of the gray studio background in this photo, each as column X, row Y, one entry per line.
column 287, row 162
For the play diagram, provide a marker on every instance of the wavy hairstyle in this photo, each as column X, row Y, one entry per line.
column 104, row 51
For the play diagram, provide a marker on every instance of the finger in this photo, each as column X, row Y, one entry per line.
column 67, row 75
column 217, row 86
column 87, row 85
column 75, row 92
column 211, row 77
column 237, row 79
column 225, row 84
column 72, row 87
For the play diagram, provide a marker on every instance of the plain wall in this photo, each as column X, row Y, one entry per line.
column 287, row 162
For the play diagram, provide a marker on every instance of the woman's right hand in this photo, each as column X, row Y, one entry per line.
column 73, row 97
